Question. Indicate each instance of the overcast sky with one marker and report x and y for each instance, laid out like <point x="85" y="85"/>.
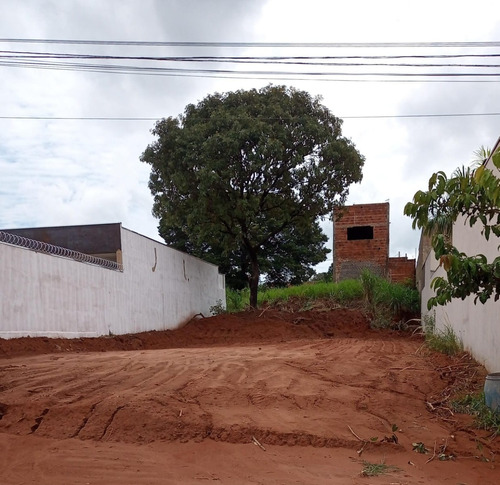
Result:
<point x="64" y="172"/>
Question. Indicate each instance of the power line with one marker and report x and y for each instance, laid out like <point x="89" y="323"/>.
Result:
<point x="253" y="44"/>
<point x="132" y="118"/>
<point x="9" y="54"/>
<point x="436" y="115"/>
<point x="17" y="56"/>
<point x="121" y="69"/>
<point x="243" y="75"/>
<point x="357" y="67"/>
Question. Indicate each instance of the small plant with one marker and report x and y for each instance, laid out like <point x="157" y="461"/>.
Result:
<point x="217" y="309"/>
<point x="375" y="469"/>
<point x="237" y="300"/>
<point x="419" y="447"/>
<point x="386" y="302"/>
<point x="389" y="304"/>
<point x="484" y="417"/>
<point x="308" y="305"/>
<point x="445" y="341"/>
<point x="381" y="318"/>
<point x="344" y="292"/>
<point x="369" y="282"/>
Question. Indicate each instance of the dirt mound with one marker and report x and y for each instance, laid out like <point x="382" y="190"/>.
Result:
<point x="311" y="380"/>
<point x="268" y="325"/>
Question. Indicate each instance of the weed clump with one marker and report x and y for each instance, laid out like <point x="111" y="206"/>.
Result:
<point x="389" y="304"/>
<point x="217" y="309"/>
<point x="444" y="341"/>
<point x="475" y="405"/>
<point x="375" y="469"/>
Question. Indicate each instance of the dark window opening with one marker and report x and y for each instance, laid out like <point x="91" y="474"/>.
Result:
<point x="359" y="232"/>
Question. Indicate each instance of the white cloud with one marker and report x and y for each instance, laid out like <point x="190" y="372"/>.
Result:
<point x="76" y="172"/>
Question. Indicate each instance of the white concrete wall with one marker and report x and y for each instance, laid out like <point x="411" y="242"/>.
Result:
<point x="477" y="325"/>
<point x="160" y="288"/>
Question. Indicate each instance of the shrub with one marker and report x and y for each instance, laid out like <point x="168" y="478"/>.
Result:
<point x="217" y="309"/>
<point x="237" y="300"/>
<point x="484" y="417"/>
<point x="375" y="469"/>
<point x="390" y="304"/>
<point x="444" y="341"/>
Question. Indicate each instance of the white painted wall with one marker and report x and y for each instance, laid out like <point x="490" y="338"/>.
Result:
<point x="160" y="288"/>
<point x="477" y="325"/>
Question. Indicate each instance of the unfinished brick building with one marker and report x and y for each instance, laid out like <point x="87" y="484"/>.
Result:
<point x="361" y="241"/>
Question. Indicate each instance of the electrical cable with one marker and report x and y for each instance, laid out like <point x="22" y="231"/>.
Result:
<point x="254" y="44"/>
<point x="295" y="60"/>
<point x="121" y="69"/>
<point x="132" y="118"/>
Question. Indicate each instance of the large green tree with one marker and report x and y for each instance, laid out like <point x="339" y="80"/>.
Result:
<point x="290" y="255"/>
<point x="244" y="170"/>
<point x="472" y="194"/>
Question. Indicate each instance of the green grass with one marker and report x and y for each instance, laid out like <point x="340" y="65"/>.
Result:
<point x="484" y="417"/>
<point x="237" y="300"/>
<point x="386" y="302"/>
<point x="344" y="292"/>
<point x="444" y="341"/>
<point x="375" y="469"/>
<point x="396" y="297"/>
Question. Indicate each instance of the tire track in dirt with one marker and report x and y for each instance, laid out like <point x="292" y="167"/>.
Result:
<point x="303" y="392"/>
<point x="319" y="382"/>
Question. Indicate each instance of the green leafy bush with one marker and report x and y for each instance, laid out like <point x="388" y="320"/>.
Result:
<point x="388" y="303"/>
<point x="217" y="309"/>
<point x="484" y="417"/>
<point x="444" y="341"/>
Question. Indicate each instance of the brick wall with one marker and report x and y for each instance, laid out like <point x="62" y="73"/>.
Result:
<point x="401" y="270"/>
<point x="351" y="256"/>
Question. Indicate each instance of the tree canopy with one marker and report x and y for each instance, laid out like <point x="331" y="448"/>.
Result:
<point x="245" y="175"/>
<point x="474" y="195"/>
<point x="289" y="261"/>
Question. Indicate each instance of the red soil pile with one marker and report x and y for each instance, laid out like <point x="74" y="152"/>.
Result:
<point x="266" y="396"/>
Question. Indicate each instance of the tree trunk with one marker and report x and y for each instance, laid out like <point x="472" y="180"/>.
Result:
<point x="254" y="280"/>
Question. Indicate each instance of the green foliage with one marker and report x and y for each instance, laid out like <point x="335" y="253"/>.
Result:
<point x="401" y="298"/>
<point x="217" y="309"/>
<point x="375" y="469"/>
<point x="388" y="303"/>
<point x="369" y="282"/>
<point x="326" y="277"/>
<point x="342" y="292"/>
<point x="419" y="447"/>
<point x="444" y="341"/>
<point x="321" y="277"/>
<point x="484" y="417"/>
<point x="392" y="301"/>
<point x="295" y="251"/>
<point x="481" y="155"/>
<point x="473" y="194"/>
<point x="237" y="300"/>
<point x="241" y="175"/>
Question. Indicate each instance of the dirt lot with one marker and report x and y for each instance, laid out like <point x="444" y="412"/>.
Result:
<point x="266" y="397"/>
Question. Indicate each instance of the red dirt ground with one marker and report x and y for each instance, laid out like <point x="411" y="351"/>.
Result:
<point x="265" y="397"/>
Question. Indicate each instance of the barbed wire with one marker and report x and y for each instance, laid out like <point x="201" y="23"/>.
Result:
<point x="43" y="247"/>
